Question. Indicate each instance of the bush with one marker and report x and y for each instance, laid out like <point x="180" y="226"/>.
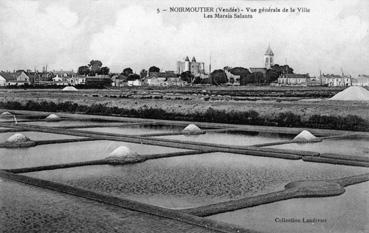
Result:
<point x="288" y="119"/>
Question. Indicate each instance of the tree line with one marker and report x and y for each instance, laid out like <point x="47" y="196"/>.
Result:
<point x="217" y="77"/>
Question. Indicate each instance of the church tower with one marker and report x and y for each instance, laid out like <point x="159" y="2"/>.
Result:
<point x="269" y="58"/>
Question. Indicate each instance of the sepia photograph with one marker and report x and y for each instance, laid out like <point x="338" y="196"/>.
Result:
<point x="171" y="116"/>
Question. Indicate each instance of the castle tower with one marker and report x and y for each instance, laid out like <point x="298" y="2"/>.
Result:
<point x="186" y="64"/>
<point x="269" y="58"/>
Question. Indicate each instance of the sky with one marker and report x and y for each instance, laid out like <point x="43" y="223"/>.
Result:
<point x="66" y="34"/>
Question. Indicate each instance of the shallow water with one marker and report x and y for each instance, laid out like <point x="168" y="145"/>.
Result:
<point x="232" y="138"/>
<point x="26" y="208"/>
<point x="62" y="123"/>
<point x="69" y="152"/>
<point x="134" y="130"/>
<point x="36" y="136"/>
<point x="195" y="180"/>
<point x="358" y="146"/>
<point x="348" y="212"/>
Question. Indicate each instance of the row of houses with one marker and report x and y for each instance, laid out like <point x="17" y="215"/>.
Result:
<point x="24" y="78"/>
<point x="331" y="80"/>
<point x="154" y="81"/>
<point x="167" y="78"/>
<point x="18" y="78"/>
<point x="58" y="78"/>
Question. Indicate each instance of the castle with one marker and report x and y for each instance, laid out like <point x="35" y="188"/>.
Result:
<point x="196" y="68"/>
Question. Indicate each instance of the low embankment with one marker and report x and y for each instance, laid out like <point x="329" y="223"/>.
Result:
<point x="250" y="117"/>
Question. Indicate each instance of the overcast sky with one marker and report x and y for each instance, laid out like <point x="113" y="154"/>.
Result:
<point x="67" y="34"/>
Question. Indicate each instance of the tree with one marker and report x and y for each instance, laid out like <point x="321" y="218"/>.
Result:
<point x="83" y="70"/>
<point x="276" y="70"/>
<point x="154" y="69"/>
<point x="199" y="80"/>
<point x="133" y="77"/>
<point x="218" y="77"/>
<point x="143" y="73"/>
<point x="127" y="71"/>
<point x="187" y="77"/>
<point x="272" y="75"/>
<point x="104" y="70"/>
<point x="256" y="77"/>
<point x="95" y="66"/>
<point x="239" y="71"/>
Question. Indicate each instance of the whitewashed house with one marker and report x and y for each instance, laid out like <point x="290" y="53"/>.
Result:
<point x="134" y="83"/>
<point x="154" y="81"/>
<point x="77" y="80"/>
<point x="334" y="80"/>
<point x="361" y="80"/>
<point x="2" y="81"/>
<point x="19" y="78"/>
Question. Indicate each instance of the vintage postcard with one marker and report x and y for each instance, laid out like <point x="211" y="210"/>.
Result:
<point x="184" y="116"/>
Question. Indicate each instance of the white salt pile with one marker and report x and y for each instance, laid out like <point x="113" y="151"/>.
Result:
<point x="69" y="88"/>
<point x="6" y="115"/>
<point x="352" y="93"/>
<point x="53" y="117"/>
<point x="305" y="136"/>
<point x="192" y="128"/>
<point x="18" y="138"/>
<point x="122" y="151"/>
<point x="123" y="154"/>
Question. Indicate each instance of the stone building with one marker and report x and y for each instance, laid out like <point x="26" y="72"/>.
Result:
<point x="196" y="68"/>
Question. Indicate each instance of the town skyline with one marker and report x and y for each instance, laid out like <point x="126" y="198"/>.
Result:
<point x="65" y="35"/>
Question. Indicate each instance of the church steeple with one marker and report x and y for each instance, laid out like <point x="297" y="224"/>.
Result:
<point x="269" y="51"/>
<point x="269" y="58"/>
